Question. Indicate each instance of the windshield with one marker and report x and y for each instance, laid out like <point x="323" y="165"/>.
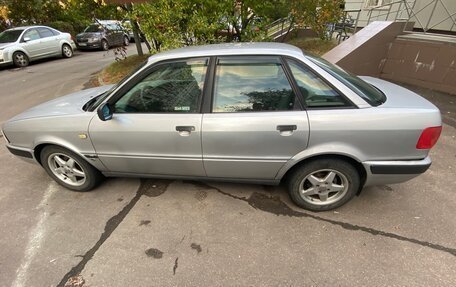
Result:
<point x="10" y="36"/>
<point x="94" y="28"/>
<point x="365" y="90"/>
<point x="95" y="102"/>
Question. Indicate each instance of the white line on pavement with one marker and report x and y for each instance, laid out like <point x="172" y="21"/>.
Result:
<point x="35" y="239"/>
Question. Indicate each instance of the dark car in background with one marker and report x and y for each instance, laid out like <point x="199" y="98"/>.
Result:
<point x="102" y="35"/>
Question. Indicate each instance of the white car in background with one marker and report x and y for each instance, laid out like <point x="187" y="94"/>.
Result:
<point x="21" y="45"/>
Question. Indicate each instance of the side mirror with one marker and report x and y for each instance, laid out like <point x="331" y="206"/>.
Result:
<point x="26" y="39"/>
<point x="104" y="112"/>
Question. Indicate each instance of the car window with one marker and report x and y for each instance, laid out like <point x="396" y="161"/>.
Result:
<point x="247" y="84"/>
<point x="175" y="87"/>
<point x="10" y="36"/>
<point x="44" y="32"/>
<point x="32" y="34"/>
<point x="316" y="92"/>
<point x="365" y="90"/>
<point x="55" y="32"/>
<point x="94" y="28"/>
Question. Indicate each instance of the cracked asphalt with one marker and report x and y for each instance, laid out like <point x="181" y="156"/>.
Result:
<point x="132" y="232"/>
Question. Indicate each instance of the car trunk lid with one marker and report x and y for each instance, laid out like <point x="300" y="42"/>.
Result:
<point x="397" y="96"/>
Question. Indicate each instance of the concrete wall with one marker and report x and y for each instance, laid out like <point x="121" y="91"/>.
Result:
<point x="424" y="61"/>
<point x="365" y="52"/>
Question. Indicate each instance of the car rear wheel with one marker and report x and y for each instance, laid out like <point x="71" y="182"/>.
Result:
<point x="69" y="170"/>
<point x="323" y="184"/>
<point x="20" y="59"/>
<point x="126" y="41"/>
<point x="104" y="45"/>
<point x="67" y="52"/>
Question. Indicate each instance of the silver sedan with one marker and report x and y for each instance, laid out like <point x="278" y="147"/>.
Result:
<point x="21" y="45"/>
<point x="258" y="112"/>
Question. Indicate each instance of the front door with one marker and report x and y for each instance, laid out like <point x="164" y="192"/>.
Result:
<point x="256" y="124"/>
<point x="32" y="43"/>
<point x="156" y="125"/>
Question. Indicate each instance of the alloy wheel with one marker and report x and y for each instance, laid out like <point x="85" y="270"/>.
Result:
<point x="21" y="59"/>
<point x="67" y="169"/>
<point x="67" y="51"/>
<point x="323" y="187"/>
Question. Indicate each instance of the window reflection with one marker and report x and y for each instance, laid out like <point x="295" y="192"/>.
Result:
<point x="171" y="88"/>
<point x="251" y="86"/>
<point x="315" y="91"/>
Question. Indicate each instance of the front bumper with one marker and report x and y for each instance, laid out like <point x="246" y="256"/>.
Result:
<point x="87" y="45"/>
<point x="388" y="172"/>
<point x="23" y="153"/>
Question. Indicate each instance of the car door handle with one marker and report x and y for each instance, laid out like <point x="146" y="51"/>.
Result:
<point x="286" y="128"/>
<point x="188" y="129"/>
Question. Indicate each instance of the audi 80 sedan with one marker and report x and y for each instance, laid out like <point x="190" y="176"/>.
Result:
<point x="255" y="112"/>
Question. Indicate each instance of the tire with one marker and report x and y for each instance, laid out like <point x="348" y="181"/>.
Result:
<point x="20" y="59"/>
<point x="69" y="169"/>
<point x="104" y="45"/>
<point x="329" y="183"/>
<point x="67" y="51"/>
<point x="126" y="41"/>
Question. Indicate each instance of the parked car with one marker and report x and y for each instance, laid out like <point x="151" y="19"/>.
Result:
<point x="21" y="45"/>
<point x="252" y="112"/>
<point x="102" y="35"/>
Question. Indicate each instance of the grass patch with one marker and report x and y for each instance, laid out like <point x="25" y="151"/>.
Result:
<point x="118" y="70"/>
<point x="315" y="46"/>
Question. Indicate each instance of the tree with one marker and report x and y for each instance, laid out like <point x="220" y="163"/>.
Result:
<point x="76" y="13"/>
<point x="170" y="24"/>
<point x="316" y="14"/>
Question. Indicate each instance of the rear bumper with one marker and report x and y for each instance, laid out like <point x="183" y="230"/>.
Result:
<point x="387" y="172"/>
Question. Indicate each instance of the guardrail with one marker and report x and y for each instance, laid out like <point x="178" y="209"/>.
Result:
<point x="404" y="10"/>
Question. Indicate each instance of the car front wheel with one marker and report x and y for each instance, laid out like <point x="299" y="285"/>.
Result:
<point x="20" y="59"/>
<point x="323" y="184"/>
<point x="69" y="170"/>
<point x="104" y="45"/>
<point x="126" y="41"/>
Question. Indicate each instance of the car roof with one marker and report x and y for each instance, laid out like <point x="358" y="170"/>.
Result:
<point x="27" y="27"/>
<point x="259" y="48"/>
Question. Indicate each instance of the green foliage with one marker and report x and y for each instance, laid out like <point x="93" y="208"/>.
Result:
<point x="316" y="14"/>
<point x="169" y="24"/>
<point x="63" y="27"/>
<point x="69" y="15"/>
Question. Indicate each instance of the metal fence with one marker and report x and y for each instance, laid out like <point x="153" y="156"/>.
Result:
<point x="433" y="15"/>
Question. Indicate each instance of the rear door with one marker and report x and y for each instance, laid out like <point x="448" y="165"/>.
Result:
<point x="49" y="41"/>
<point x="257" y="123"/>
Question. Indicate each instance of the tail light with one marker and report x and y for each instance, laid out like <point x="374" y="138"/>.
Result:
<point x="429" y="137"/>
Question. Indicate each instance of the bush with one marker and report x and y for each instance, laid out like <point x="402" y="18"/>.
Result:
<point x="64" y="27"/>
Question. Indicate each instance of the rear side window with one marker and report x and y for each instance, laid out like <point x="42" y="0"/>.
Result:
<point x="365" y="90"/>
<point x="44" y="32"/>
<point x="248" y="84"/>
<point x="315" y="92"/>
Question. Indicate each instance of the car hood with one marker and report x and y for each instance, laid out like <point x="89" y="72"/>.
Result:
<point x="397" y="96"/>
<point x="67" y="105"/>
<point x="88" y="35"/>
<point x="6" y="45"/>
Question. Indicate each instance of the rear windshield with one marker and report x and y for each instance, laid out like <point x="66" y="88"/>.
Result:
<point x="94" y="28"/>
<point x="365" y="90"/>
<point x="10" y="36"/>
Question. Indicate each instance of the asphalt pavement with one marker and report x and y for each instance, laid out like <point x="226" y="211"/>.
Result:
<point x="133" y="232"/>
